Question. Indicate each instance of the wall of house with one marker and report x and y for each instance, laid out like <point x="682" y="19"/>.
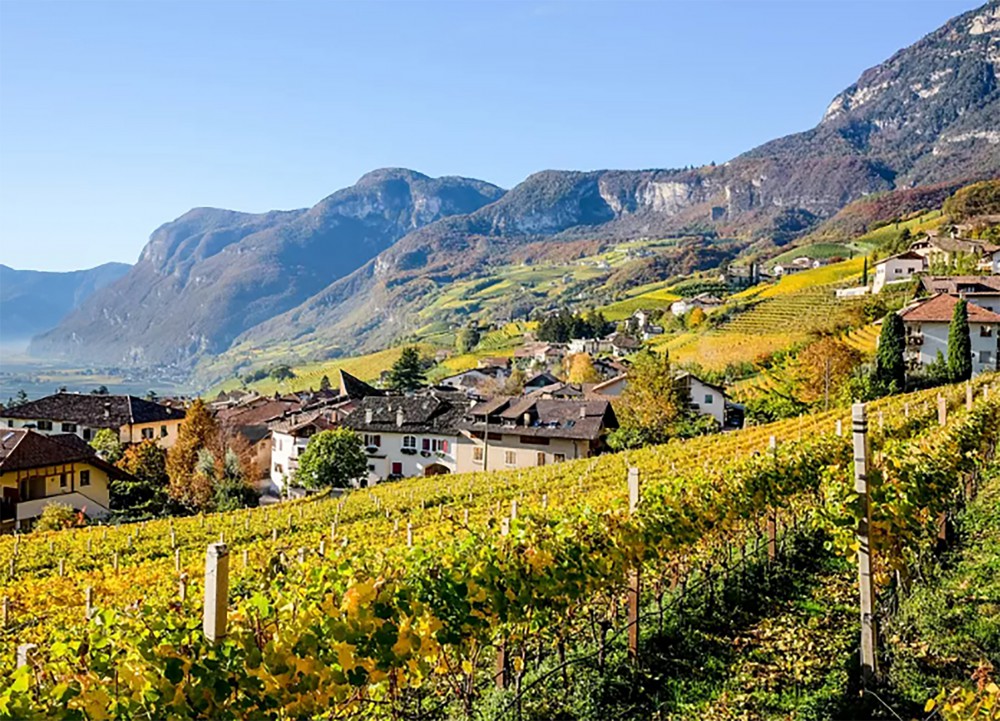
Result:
<point x="709" y="400"/>
<point x="524" y="455"/>
<point x="285" y="452"/>
<point x="892" y="271"/>
<point x="163" y="432"/>
<point x="390" y="458"/>
<point x="935" y="338"/>
<point x="62" y="485"/>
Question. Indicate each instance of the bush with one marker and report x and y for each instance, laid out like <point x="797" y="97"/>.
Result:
<point x="57" y="516"/>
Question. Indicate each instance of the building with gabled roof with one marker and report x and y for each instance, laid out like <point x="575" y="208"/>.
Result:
<point x="38" y="469"/>
<point x="927" y="322"/>
<point x="527" y="431"/>
<point x="134" y="419"/>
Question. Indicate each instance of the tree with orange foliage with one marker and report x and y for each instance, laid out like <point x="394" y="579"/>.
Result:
<point x="824" y="367"/>
<point x="188" y="485"/>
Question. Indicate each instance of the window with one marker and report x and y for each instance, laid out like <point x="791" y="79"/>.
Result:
<point x="277" y="444"/>
<point x="147" y="434"/>
<point x="68" y="427"/>
<point x="84" y="478"/>
<point x="985" y="356"/>
<point x="709" y="399"/>
<point x="62" y="480"/>
<point x="534" y="441"/>
<point x="541" y="459"/>
<point x="440" y="445"/>
<point x="371" y="467"/>
<point x="373" y="440"/>
<point x="163" y="431"/>
<point x="44" y="425"/>
<point x="425" y="444"/>
<point x="558" y="457"/>
<point x="397" y="468"/>
<point x="477" y="454"/>
<point x="410" y="442"/>
<point x="87" y="434"/>
<point x="985" y="331"/>
<point x="510" y="458"/>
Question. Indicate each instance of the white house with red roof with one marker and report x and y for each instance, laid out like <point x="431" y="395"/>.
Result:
<point x="927" y="323"/>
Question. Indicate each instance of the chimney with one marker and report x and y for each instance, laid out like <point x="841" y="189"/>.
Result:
<point x="368" y="415"/>
<point x="107" y="409"/>
<point x="399" y="416"/>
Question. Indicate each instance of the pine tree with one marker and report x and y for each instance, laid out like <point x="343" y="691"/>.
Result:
<point x="890" y="366"/>
<point x="407" y="372"/>
<point x="324" y="383"/>
<point x="959" y="344"/>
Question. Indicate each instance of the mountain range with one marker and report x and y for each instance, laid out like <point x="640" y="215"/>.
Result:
<point x="350" y="273"/>
<point x="33" y="301"/>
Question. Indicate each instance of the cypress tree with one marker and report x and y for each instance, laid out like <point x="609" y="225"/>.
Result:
<point x="959" y="344"/>
<point x="864" y="272"/>
<point x="890" y="367"/>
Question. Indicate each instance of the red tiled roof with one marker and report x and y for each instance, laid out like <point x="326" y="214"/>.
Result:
<point x="940" y="308"/>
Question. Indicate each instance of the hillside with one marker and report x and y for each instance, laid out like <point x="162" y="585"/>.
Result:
<point x="33" y="301"/>
<point x="353" y="273"/>
<point x="531" y="566"/>
<point x="211" y="274"/>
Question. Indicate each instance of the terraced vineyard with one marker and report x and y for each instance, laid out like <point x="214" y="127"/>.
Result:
<point x="397" y="601"/>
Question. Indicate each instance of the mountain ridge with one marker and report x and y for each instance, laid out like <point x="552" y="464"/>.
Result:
<point x="926" y="114"/>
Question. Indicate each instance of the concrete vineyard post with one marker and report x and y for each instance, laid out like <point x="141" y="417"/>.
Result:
<point x="216" y="591"/>
<point x="942" y="411"/>
<point x="968" y="396"/>
<point x="246" y="557"/>
<point x="409" y="535"/>
<point x="24" y="653"/>
<point x="177" y="560"/>
<point x="865" y="582"/>
<point x="839" y="428"/>
<point x="513" y="510"/>
<point x="182" y="587"/>
<point x="634" y="579"/>
<point x="88" y="599"/>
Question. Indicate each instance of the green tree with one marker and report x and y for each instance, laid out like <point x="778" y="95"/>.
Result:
<point x="890" y="366"/>
<point x="332" y="459"/>
<point x="144" y="495"/>
<point x="407" y="372"/>
<point x="57" y="516"/>
<point x="959" y="344"/>
<point x="652" y="404"/>
<point x="107" y="445"/>
<point x="100" y="391"/>
<point x="324" y="383"/>
<point x="231" y="488"/>
<point x="864" y="272"/>
<point x="468" y="338"/>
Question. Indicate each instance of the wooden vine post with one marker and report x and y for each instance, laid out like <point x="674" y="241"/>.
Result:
<point x="772" y="515"/>
<point x="865" y="582"/>
<point x="501" y="667"/>
<point x="216" y="591"/>
<point x="942" y="521"/>
<point x="634" y="574"/>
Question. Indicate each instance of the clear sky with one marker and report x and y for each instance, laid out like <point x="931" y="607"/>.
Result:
<point x="118" y="116"/>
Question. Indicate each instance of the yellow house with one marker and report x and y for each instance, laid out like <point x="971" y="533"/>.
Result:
<point x="83" y="414"/>
<point x="36" y="470"/>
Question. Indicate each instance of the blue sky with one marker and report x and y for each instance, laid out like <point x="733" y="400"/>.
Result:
<point x="118" y="116"/>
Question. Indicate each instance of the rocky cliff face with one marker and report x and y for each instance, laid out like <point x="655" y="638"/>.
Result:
<point x="212" y="274"/>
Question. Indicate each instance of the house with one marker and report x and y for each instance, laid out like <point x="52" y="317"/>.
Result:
<point x="543" y="354"/>
<point x="526" y="431"/>
<point x="622" y="344"/>
<point x="410" y="435"/>
<point x="783" y="269"/>
<point x="898" y="268"/>
<point x="289" y="437"/>
<point x="926" y="323"/>
<point x="289" y="434"/>
<point x="706" y="301"/>
<point x="983" y="290"/>
<point x="942" y="249"/>
<point x="611" y="387"/>
<point x="251" y="420"/>
<point x="641" y="324"/>
<point x="610" y="368"/>
<point x="707" y="398"/>
<point x="502" y="362"/>
<point x="989" y="262"/>
<point x="38" y="469"/>
<point x="83" y="414"/>
<point x="485" y="380"/>
<point x="540" y="380"/>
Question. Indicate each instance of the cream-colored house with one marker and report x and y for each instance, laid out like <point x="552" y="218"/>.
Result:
<point x="83" y="414"/>
<point x="36" y="470"/>
<point x="526" y="431"/>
